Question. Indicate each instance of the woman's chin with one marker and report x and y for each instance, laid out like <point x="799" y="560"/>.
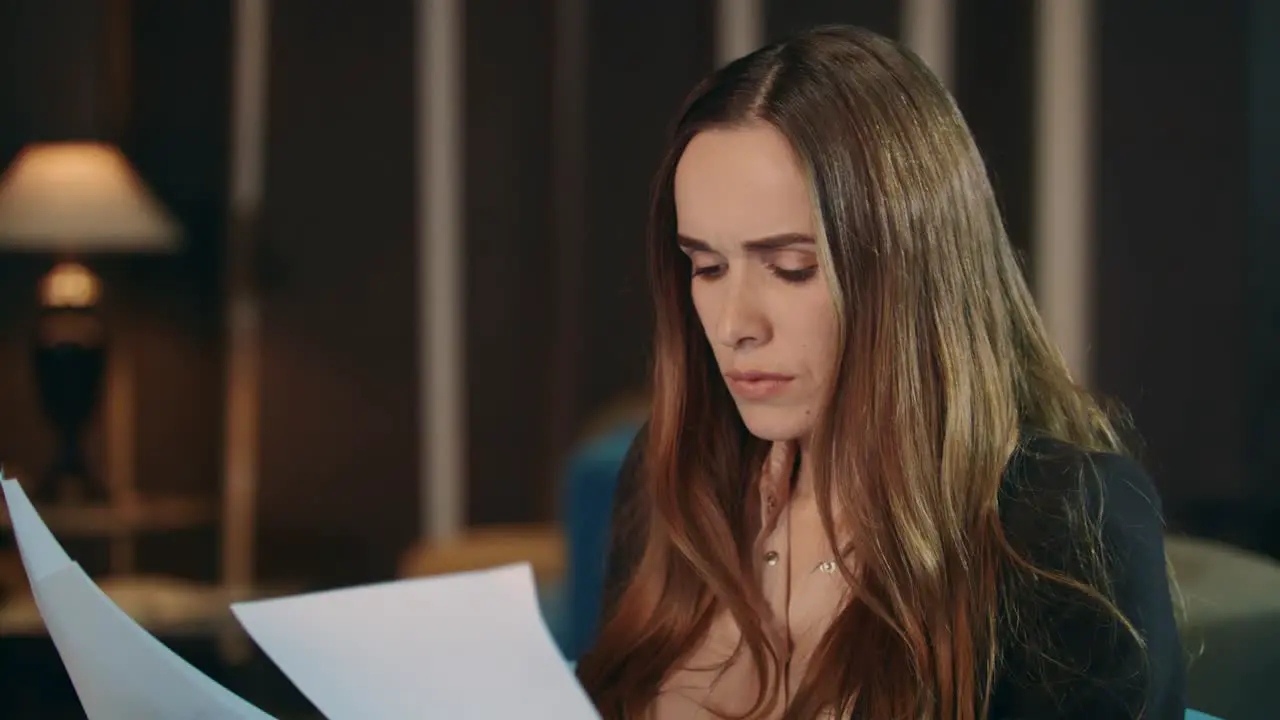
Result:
<point x="777" y="424"/>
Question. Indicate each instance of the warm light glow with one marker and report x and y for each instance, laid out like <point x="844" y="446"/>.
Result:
<point x="69" y="285"/>
<point x="80" y="197"/>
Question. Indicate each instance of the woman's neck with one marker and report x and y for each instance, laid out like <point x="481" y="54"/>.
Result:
<point x="802" y="482"/>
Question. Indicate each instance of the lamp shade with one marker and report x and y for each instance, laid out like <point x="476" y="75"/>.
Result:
<point x="81" y="197"/>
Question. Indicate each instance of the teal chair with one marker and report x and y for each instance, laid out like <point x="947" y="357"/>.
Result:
<point x="587" y="507"/>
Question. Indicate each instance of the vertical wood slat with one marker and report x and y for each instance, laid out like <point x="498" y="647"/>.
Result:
<point x="928" y="29"/>
<point x="1063" y="212"/>
<point x="739" y="28"/>
<point x="442" y="310"/>
<point x="243" y="347"/>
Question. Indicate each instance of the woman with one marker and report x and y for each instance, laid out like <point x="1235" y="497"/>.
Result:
<point x="867" y="486"/>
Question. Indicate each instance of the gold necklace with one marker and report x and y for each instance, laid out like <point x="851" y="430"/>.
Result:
<point x="827" y="567"/>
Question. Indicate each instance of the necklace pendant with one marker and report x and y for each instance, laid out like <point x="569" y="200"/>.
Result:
<point x="827" y="566"/>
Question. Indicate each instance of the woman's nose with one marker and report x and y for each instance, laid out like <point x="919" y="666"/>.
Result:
<point x="742" y="321"/>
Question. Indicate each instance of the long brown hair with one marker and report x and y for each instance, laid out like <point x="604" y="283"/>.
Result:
<point x="943" y="363"/>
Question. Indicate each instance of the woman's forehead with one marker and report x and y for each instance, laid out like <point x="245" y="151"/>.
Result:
<point x="741" y="183"/>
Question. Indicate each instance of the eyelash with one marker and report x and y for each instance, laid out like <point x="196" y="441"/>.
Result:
<point x="795" y="277"/>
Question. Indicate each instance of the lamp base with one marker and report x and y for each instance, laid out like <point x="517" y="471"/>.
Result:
<point x="67" y="487"/>
<point x="70" y="358"/>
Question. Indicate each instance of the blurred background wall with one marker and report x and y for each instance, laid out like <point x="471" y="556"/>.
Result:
<point x="566" y="104"/>
<point x="280" y="399"/>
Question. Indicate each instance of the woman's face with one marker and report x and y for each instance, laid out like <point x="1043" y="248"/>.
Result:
<point x="745" y="219"/>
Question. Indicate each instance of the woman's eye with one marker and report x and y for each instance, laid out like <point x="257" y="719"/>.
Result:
<point x="795" y="275"/>
<point x="708" y="271"/>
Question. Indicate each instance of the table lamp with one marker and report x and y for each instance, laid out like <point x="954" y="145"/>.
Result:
<point x="72" y="200"/>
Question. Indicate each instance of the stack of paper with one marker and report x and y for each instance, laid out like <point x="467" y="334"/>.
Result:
<point x="119" y="670"/>
<point x="471" y="645"/>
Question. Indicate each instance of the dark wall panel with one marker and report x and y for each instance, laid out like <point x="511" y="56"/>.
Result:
<point x="993" y="81"/>
<point x="644" y="58"/>
<point x="338" y="490"/>
<point x="177" y="132"/>
<point x="784" y="17"/>
<point x="1172" y="209"/>
<point x="509" y="259"/>
<point x="1263" y="255"/>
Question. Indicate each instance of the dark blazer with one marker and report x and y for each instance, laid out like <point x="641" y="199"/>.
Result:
<point x="1101" y="673"/>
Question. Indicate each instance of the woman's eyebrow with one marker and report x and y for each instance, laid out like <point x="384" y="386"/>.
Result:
<point x="768" y="243"/>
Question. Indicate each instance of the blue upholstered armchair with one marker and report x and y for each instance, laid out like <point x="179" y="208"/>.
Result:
<point x="588" y="502"/>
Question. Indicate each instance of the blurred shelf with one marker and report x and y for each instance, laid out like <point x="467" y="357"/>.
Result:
<point x="149" y="514"/>
<point x="164" y="606"/>
<point x="540" y="545"/>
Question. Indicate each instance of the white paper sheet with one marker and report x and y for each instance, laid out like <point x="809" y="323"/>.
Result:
<point x="470" y="645"/>
<point x="120" y="671"/>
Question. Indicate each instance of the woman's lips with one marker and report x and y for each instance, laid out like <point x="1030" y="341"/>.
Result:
<point x="751" y="385"/>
